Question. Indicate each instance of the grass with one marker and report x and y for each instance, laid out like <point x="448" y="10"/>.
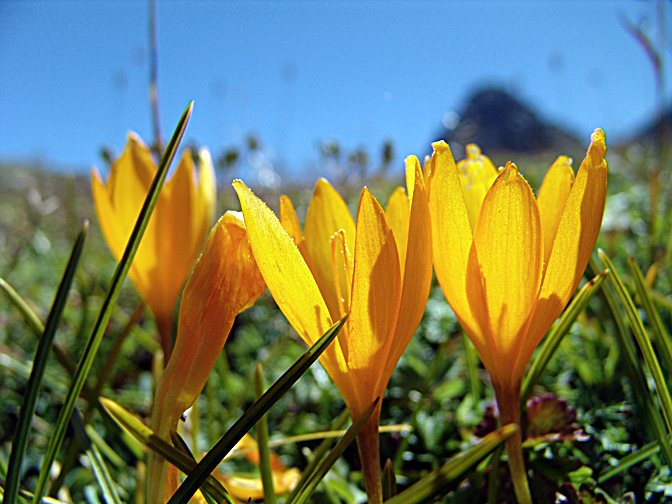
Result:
<point x="597" y="415"/>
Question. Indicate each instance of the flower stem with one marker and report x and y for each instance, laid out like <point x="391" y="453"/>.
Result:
<point x="165" y="327"/>
<point x="368" y="446"/>
<point x="508" y="400"/>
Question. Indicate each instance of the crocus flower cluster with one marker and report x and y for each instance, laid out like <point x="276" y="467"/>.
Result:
<point x="508" y="263"/>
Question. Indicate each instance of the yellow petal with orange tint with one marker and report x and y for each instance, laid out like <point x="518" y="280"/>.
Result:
<point x="113" y="230"/>
<point x="574" y="242"/>
<point x="398" y="213"/>
<point x="133" y="172"/>
<point x="477" y="174"/>
<point x="509" y="241"/>
<point x="290" y="222"/>
<point x="207" y="189"/>
<point x="417" y="274"/>
<point x="376" y="290"/>
<point x="286" y="274"/>
<point x="552" y="198"/>
<point x="225" y="281"/>
<point x="455" y="258"/>
<point x="326" y="215"/>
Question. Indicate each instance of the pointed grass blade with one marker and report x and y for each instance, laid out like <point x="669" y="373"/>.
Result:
<point x="437" y="482"/>
<point x="262" y="442"/>
<point x="642" y="395"/>
<point x="20" y="304"/>
<point x="91" y="348"/>
<point x="318" y="475"/>
<point x="319" y="454"/>
<point x="389" y="481"/>
<point x="642" y="338"/>
<point x="245" y="423"/>
<point x="37" y="373"/>
<point x="103" y="478"/>
<point x="556" y="334"/>
<point x="175" y="456"/>
<point x="630" y="460"/>
<point x="662" y="340"/>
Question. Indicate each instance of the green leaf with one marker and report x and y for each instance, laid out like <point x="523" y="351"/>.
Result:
<point x="389" y="481"/>
<point x="662" y="337"/>
<point x="318" y="475"/>
<point x="642" y="338"/>
<point x="318" y="455"/>
<point x="31" y="317"/>
<point x="437" y="482"/>
<point x="641" y="392"/>
<point x="262" y="441"/>
<point x="631" y="459"/>
<point x="145" y="435"/>
<point x="39" y="365"/>
<point x="93" y="343"/>
<point x="251" y="416"/>
<point x="100" y="471"/>
<point x="556" y="334"/>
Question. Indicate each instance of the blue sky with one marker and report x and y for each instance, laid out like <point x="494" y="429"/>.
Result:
<point x="73" y="74"/>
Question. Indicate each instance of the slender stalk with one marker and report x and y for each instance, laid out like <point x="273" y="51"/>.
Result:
<point x="153" y="80"/>
<point x="368" y="446"/>
<point x="165" y="328"/>
<point x="508" y="400"/>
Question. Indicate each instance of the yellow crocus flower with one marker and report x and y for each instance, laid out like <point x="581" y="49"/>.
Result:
<point x="378" y="271"/>
<point x="175" y="233"/>
<point x="509" y="263"/>
<point x="225" y="281"/>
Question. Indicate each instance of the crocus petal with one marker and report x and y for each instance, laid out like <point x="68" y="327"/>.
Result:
<point x="509" y="243"/>
<point x="286" y="274"/>
<point x="326" y="215"/>
<point x="291" y="224"/>
<point x="376" y="289"/>
<point x="114" y="230"/>
<point x="130" y="178"/>
<point x="455" y="258"/>
<point x="398" y="212"/>
<point x="207" y="193"/>
<point x="477" y="174"/>
<point x="225" y="281"/>
<point x="417" y="274"/>
<point x="175" y="230"/>
<point x="551" y="200"/>
<point x="573" y="244"/>
<point x="291" y="282"/>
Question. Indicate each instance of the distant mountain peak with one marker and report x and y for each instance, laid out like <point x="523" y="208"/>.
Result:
<point x="498" y="122"/>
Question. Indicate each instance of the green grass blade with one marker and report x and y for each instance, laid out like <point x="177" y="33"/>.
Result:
<point x="389" y="481"/>
<point x="145" y="435"/>
<point x="91" y="348"/>
<point x="31" y="317"/>
<point x="319" y="454"/>
<point x="630" y="460"/>
<point x="105" y="482"/>
<point x="437" y="481"/>
<point x="251" y="416"/>
<point x="662" y="337"/>
<point x="38" y="328"/>
<point x="556" y="334"/>
<point x="39" y="365"/>
<point x="318" y="475"/>
<point x="641" y="391"/>
<point x="643" y="340"/>
<point x="262" y="442"/>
